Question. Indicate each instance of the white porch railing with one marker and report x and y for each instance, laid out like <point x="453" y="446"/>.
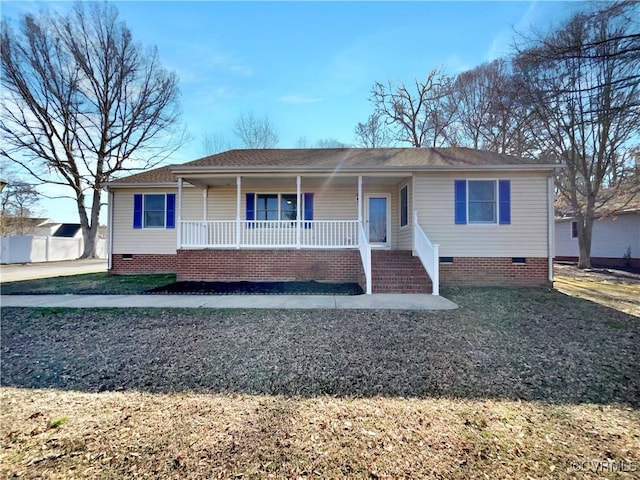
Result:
<point x="269" y="234"/>
<point x="428" y="253"/>
<point x="365" y="254"/>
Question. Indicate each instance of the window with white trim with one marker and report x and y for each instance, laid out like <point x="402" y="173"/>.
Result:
<point x="482" y="201"/>
<point x="404" y="206"/>
<point x="276" y="206"/>
<point x="154" y="211"/>
<point x="574" y="229"/>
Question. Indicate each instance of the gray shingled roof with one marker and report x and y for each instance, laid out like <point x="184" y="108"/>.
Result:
<point x="338" y="158"/>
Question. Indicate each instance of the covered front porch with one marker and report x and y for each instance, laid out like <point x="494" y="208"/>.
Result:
<point x="295" y="212"/>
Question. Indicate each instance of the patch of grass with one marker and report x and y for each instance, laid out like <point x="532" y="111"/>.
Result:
<point x="619" y="295"/>
<point x="89" y="283"/>
<point x="58" y="421"/>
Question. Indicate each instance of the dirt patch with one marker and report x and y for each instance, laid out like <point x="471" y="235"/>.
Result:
<point x="597" y="274"/>
<point x="259" y="288"/>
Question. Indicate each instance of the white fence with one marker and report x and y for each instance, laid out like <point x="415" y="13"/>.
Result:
<point x="33" y="249"/>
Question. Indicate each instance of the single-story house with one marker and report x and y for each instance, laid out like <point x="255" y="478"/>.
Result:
<point x="615" y="239"/>
<point x="392" y="219"/>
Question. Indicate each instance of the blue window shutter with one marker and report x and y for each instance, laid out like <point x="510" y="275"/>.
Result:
<point x="308" y="208"/>
<point x="137" y="210"/>
<point x="504" y="193"/>
<point x="461" y="201"/>
<point x="171" y="210"/>
<point x="251" y="206"/>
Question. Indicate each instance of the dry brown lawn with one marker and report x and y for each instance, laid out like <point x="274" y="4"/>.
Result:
<point x="516" y="383"/>
<point x="143" y="435"/>
<point x="613" y="288"/>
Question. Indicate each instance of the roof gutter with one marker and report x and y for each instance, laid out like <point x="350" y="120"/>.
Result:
<point x="182" y="170"/>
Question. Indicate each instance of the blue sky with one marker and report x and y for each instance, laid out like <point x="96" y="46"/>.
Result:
<point x="309" y="66"/>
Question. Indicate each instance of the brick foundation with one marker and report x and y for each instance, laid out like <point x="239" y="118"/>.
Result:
<point x="494" y="271"/>
<point x="143" y="263"/>
<point x="270" y="265"/>
<point x="322" y="265"/>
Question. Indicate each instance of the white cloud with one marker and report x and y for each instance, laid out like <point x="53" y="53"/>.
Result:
<point x="502" y="43"/>
<point x="297" y="99"/>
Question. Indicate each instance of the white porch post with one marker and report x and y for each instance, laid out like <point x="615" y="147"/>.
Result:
<point x="360" y="198"/>
<point x="179" y="216"/>
<point x="298" y="206"/>
<point x="205" y="199"/>
<point x="238" y="196"/>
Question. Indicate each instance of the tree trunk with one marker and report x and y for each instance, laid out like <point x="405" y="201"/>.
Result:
<point x="90" y="226"/>
<point x="585" y="229"/>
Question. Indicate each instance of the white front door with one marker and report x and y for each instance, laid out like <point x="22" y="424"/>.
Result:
<point x="377" y="218"/>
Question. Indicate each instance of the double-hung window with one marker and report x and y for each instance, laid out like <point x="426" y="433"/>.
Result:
<point x="154" y="210"/>
<point x="482" y="202"/>
<point x="276" y="206"/>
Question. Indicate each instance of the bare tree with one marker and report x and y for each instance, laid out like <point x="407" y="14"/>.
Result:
<point x="213" y="143"/>
<point x="491" y="115"/>
<point x="419" y="116"/>
<point x="255" y="132"/>
<point x="83" y="103"/>
<point x="583" y="85"/>
<point x="372" y="133"/>
<point x="302" y="142"/>
<point x="18" y="202"/>
<point x="331" y="143"/>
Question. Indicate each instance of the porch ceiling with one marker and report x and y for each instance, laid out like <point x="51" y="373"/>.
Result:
<point x="290" y="181"/>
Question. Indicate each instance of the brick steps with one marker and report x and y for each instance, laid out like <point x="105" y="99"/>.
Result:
<point x="396" y="271"/>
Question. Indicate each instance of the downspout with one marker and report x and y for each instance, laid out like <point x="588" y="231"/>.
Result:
<point x="550" y="227"/>
<point x="179" y="222"/>
<point x="109" y="228"/>
<point x="298" y="207"/>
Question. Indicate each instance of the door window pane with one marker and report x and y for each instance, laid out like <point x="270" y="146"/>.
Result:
<point x="378" y="220"/>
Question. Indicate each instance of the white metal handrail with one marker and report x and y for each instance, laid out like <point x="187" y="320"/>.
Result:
<point x="365" y="255"/>
<point x="428" y="253"/>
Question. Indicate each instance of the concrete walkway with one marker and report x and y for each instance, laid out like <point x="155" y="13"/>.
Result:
<point x="374" y="302"/>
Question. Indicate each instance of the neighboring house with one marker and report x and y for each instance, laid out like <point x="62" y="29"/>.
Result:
<point x="68" y="230"/>
<point x="373" y="216"/>
<point x="615" y="240"/>
<point x="28" y="226"/>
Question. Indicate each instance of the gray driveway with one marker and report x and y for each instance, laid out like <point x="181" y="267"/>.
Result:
<point x="28" y="271"/>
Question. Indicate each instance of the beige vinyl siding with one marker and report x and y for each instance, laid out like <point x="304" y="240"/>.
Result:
<point x="221" y="203"/>
<point x="526" y="236"/>
<point x="127" y="239"/>
<point x="192" y="204"/>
